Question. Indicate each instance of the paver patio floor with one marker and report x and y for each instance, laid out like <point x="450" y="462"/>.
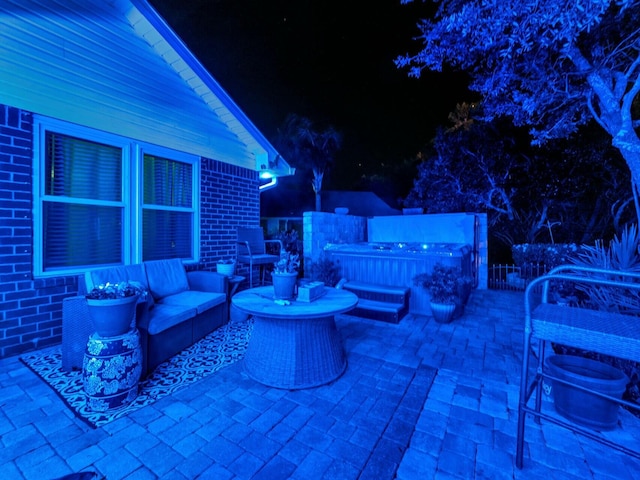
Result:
<point x="373" y="423"/>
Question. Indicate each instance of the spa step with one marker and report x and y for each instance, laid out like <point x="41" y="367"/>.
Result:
<point x="382" y="293"/>
<point x="379" y="302"/>
<point x="383" y="311"/>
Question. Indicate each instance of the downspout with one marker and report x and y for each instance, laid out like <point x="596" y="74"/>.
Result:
<point x="267" y="186"/>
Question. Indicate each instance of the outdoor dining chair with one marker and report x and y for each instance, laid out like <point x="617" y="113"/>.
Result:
<point x="252" y="250"/>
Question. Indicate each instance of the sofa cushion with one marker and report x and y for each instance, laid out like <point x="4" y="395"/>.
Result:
<point x="166" y="277"/>
<point x="163" y="317"/>
<point x="203" y="301"/>
<point x="120" y="273"/>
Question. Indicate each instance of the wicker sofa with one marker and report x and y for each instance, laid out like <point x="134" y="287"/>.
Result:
<point x="183" y="308"/>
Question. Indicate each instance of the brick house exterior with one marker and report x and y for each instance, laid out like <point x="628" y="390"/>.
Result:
<point x="230" y="151"/>
<point x="31" y="308"/>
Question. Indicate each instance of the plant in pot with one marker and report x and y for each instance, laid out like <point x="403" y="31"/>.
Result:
<point x="284" y="276"/>
<point x="112" y="307"/>
<point x="226" y="267"/>
<point x="448" y="291"/>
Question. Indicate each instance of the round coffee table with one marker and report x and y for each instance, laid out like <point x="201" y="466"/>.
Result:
<point x="296" y="345"/>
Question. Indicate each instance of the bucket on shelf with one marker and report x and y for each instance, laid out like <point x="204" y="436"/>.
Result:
<point x="585" y="408"/>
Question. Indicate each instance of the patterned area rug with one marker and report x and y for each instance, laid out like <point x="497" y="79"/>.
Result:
<point x="223" y="347"/>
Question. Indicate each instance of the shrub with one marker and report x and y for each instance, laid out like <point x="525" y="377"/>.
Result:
<point x="536" y="258"/>
<point x="324" y="270"/>
<point x="446" y="284"/>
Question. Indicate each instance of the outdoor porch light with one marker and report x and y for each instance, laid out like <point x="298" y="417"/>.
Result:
<point x="272" y="171"/>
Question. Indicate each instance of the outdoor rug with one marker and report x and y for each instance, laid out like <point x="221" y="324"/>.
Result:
<point x="219" y="349"/>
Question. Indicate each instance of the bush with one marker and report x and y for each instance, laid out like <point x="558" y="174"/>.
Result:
<point x="536" y="258"/>
<point x="446" y="284"/>
<point x="324" y="270"/>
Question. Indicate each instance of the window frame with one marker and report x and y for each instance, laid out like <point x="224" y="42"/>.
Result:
<point x="133" y="152"/>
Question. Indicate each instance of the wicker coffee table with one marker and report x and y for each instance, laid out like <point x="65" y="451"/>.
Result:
<point x="296" y="345"/>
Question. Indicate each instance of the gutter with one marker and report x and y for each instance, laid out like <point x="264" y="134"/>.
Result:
<point x="267" y="186"/>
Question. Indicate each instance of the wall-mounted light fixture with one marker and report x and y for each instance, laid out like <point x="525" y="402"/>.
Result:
<point x="272" y="171"/>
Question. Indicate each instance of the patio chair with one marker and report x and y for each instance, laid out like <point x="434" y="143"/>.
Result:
<point x="252" y="250"/>
<point x="607" y="333"/>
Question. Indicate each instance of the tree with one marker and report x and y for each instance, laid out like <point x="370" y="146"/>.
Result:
<point x="469" y="169"/>
<point x="566" y="191"/>
<point x="550" y="64"/>
<point x="309" y="148"/>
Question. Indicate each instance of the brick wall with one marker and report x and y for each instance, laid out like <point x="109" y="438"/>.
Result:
<point x="229" y="198"/>
<point x="31" y="309"/>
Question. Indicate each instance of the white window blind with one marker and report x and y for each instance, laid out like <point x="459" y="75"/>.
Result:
<point x="82" y="210"/>
<point x="167" y="214"/>
<point x="102" y="199"/>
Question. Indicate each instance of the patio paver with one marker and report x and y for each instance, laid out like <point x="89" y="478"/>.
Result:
<point x="373" y="423"/>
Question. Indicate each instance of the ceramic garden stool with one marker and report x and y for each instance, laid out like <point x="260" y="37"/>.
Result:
<point x="111" y="370"/>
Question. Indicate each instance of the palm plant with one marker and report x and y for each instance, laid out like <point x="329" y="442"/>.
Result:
<point x="311" y="148"/>
<point x="623" y="254"/>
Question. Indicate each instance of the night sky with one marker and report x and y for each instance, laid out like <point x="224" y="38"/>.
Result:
<point x="328" y="60"/>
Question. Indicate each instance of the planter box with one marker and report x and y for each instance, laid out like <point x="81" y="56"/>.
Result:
<point x="310" y="291"/>
<point x="514" y="280"/>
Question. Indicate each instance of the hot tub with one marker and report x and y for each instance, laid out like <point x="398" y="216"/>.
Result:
<point x="396" y="264"/>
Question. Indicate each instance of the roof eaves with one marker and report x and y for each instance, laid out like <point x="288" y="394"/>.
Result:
<point x="237" y="121"/>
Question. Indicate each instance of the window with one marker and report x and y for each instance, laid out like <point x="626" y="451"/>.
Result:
<point x="106" y="200"/>
<point x="167" y="210"/>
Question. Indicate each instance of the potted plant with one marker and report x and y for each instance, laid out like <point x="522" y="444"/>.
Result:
<point x="112" y="307"/>
<point x="226" y="267"/>
<point x="448" y="291"/>
<point x="284" y="276"/>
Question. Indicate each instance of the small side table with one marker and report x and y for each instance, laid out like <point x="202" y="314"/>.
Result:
<point x="234" y="282"/>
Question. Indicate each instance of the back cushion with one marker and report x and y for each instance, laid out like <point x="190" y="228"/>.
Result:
<point x="122" y="273"/>
<point x="166" y="277"/>
<point x="131" y="273"/>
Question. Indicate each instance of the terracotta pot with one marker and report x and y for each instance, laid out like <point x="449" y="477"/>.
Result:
<point x="284" y="285"/>
<point x="112" y="317"/>
<point x="442" y="312"/>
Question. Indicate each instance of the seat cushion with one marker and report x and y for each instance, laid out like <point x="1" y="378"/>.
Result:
<point x="163" y="317"/>
<point x="202" y="301"/>
<point x="166" y="277"/>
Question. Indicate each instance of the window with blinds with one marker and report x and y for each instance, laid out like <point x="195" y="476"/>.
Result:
<point x="106" y="200"/>
<point x="83" y="205"/>
<point x="167" y="210"/>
